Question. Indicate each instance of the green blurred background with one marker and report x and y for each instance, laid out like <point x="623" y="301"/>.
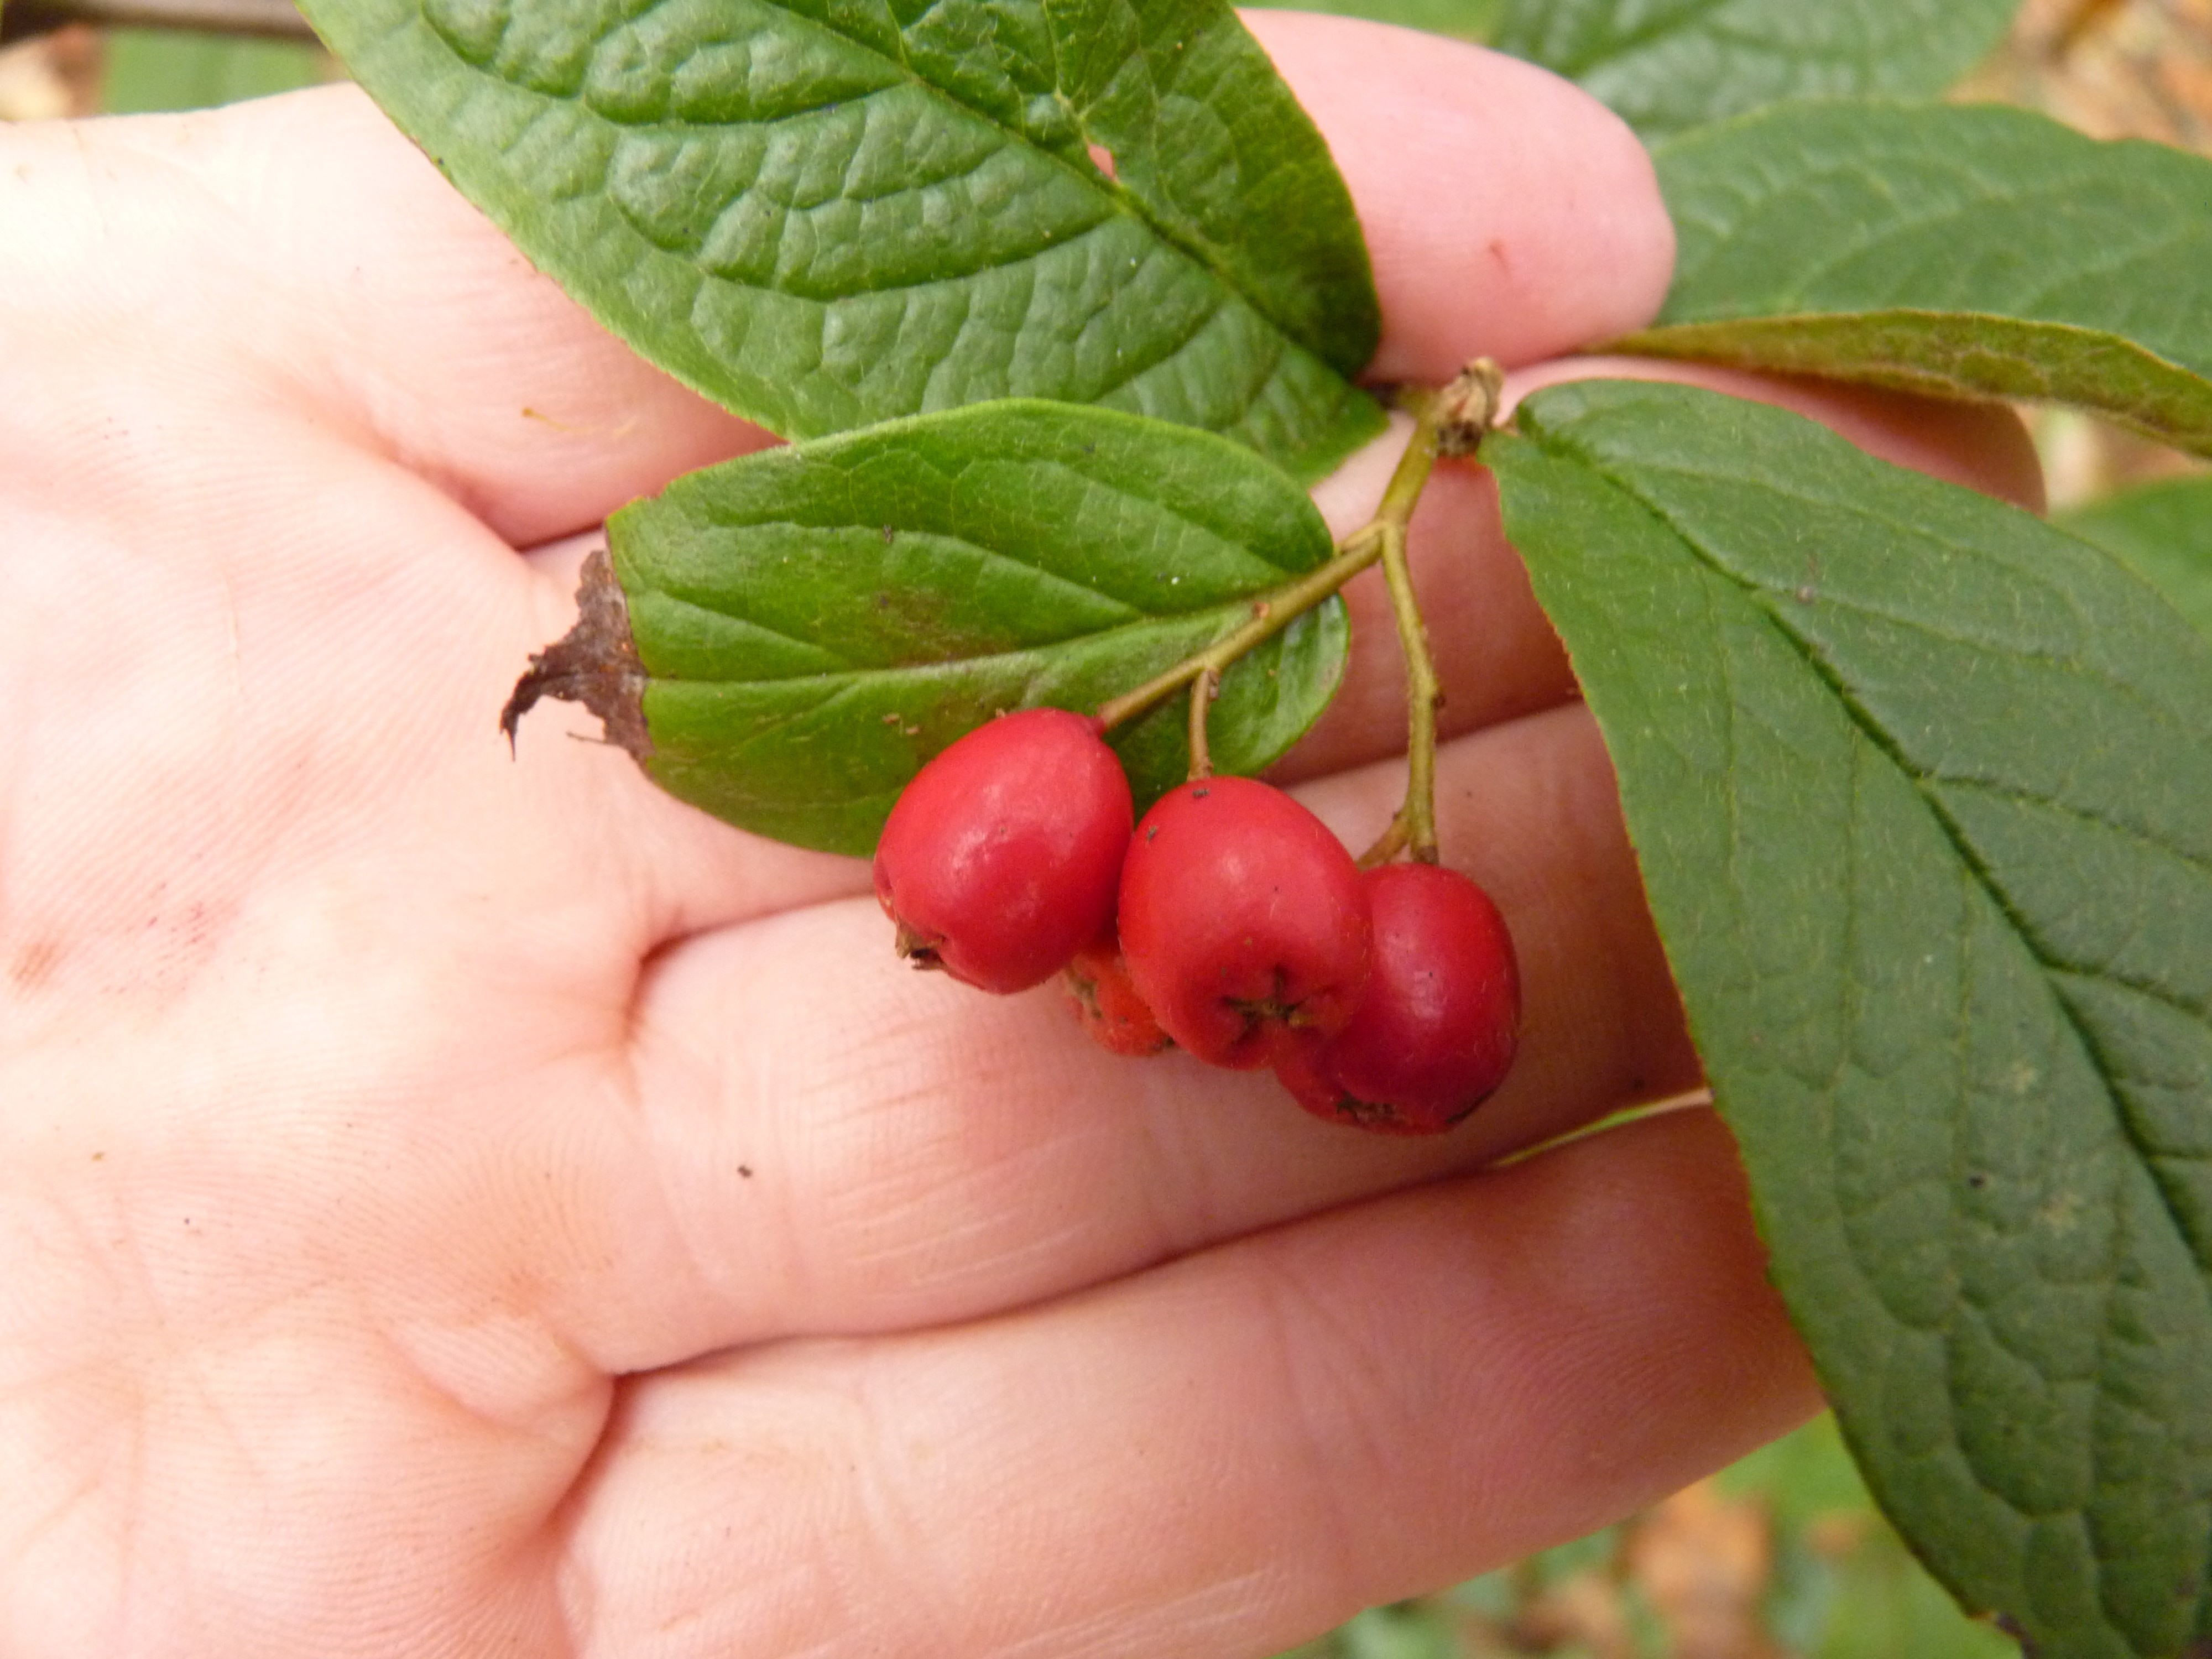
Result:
<point x="1783" y="1556"/>
<point x="149" y="69"/>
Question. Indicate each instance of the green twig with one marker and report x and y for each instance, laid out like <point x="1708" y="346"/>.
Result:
<point x="1446" y="422"/>
<point x="1203" y="690"/>
<point x="1451" y="421"/>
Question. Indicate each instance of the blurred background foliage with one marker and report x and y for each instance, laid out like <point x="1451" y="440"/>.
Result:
<point x="149" y="69"/>
<point x="1783" y="1556"/>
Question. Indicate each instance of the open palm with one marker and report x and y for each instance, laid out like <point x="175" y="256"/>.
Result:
<point x="458" y="1203"/>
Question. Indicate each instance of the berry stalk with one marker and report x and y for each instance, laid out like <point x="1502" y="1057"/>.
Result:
<point x="1203" y="690"/>
<point x="1449" y="422"/>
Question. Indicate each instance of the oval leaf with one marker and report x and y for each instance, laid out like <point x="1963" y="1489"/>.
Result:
<point x="1922" y="790"/>
<point x="810" y="624"/>
<point x="1974" y="252"/>
<point x="824" y="219"/>
<point x="2163" y="533"/>
<point x="1676" y="64"/>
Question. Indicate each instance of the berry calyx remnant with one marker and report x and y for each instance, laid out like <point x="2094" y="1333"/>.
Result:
<point x="1105" y="1000"/>
<point x="1242" y="921"/>
<point x="1002" y="858"/>
<point x="1435" y="1032"/>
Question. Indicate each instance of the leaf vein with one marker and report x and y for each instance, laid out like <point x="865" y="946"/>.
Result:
<point x="1875" y="734"/>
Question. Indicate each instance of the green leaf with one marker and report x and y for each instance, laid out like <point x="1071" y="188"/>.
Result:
<point x="1922" y="791"/>
<point x="1468" y="19"/>
<point x="2163" y="533"/>
<point x="1668" y="64"/>
<point x="825" y="217"/>
<point x="817" y="621"/>
<point x="1967" y="253"/>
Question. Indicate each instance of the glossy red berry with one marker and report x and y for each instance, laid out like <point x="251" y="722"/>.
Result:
<point x="1242" y="921"/>
<point x="1003" y="857"/>
<point x="1099" y="989"/>
<point x="1434" y="1033"/>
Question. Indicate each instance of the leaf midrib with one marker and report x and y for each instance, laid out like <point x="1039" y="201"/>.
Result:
<point x="1220" y="614"/>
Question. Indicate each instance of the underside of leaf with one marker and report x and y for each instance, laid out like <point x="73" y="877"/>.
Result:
<point x="1961" y="355"/>
<point x="1678" y="63"/>
<point x="1968" y="251"/>
<point x="1922" y="790"/>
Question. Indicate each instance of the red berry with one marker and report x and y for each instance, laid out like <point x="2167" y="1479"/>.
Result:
<point x="1242" y="921"/>
<point x="1002" y="858"/>
<point x="1098" y="987"/>
<point x="1434" y="1033"/>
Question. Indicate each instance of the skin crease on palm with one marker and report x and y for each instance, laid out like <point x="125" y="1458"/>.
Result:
<point x="458" y="1205"/>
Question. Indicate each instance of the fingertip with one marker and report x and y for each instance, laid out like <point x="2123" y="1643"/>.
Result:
<point x="1524" y="223"/>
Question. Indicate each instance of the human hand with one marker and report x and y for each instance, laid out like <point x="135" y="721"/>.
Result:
<point x="459" y="1205"/>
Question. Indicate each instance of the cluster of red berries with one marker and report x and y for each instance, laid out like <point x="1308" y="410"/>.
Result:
<point x="1230" y="921"/>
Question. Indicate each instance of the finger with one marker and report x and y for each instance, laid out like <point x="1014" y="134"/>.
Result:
<point x="274" y="648"/>
<point x="305" y="236"/>
<point x="1226" y="1456"/>
<point x="1507" y="213"/>
<point x="817" y="1138"/>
